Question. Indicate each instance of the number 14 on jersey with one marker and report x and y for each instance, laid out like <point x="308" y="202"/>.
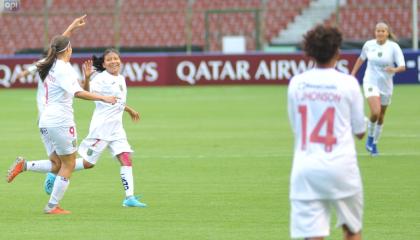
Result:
<point x="326" y="119"/>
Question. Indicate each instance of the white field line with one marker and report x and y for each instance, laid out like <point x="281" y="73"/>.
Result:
<point x="402" y="135"/>
<point x="270" y="155"/>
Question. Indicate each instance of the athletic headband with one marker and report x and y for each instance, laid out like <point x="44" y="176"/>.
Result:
<point x="382" y="24"/>
<point x="62" y="50"/>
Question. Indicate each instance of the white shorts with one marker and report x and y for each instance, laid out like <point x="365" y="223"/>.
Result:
<point x="49" y="147"/>
<point x="311" y="218"/>
<point x="373" y="91"/>
<point x="91" y="148"/>
<point x="62" y="140"/>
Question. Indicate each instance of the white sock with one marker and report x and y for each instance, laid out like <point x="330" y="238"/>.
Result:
<point x="371" y="128"/>
<point x="60" y="186"/>
<point x="79" y="164"/>
<point x="126" y="173"/>
<point x="39" y="166"/>
<point x="378" y="131"/>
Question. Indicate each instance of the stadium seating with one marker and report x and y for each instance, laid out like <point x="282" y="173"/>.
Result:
<point x="359" y="17"/>
<point x="223" y="22"/>
<point x="82" y="6"/>
<point x="164" y="23"/>
<point x="31" y="6"/>
<point x="278" y="13"/>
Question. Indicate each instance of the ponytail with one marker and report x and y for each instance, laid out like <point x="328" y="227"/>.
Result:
<point x="392" y="36"/>
<point x="45" y="65"/>
<point x="98" y="62"/>
<point x="59" y="44"/>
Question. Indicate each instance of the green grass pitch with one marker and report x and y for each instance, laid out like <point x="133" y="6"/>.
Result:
<point x="211" y="163"/>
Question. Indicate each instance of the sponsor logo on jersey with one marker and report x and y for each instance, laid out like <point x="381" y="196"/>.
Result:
<point x="89" y="152"/>
<point x="43" y="131"/>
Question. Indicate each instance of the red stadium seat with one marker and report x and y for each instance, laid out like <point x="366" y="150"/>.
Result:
<point x="163" y="23"/>
<point x="358" y="18"/>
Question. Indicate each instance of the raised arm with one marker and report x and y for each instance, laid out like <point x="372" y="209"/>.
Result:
<point x="87" y="72"/>
<point x="23" y="74"/>
<point x="77" y="23"/>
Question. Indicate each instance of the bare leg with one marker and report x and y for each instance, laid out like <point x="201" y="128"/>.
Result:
<point x="67" y="165"/>
<point x="55" y="161"/>
<point x="87" y="164"/>
<point x="382" y="115"/>
<point x="351" y="236"/>
<point x="375" y="108"/>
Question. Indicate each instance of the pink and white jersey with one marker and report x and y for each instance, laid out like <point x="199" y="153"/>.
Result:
<point x="325" y="109"/>
<point x="60" y="86"/>
<point x="40" y="98"/>
<point x="40" y="93"/>
<point x="106" y="123"/>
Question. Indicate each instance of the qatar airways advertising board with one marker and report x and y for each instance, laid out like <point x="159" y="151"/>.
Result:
<point x="242" y="69"/>
<point x="159" y="70"/>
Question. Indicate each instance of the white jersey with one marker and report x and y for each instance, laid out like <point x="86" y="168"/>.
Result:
<point x="60" y="86"/>
<point x="325" y="109"/>
<point x="40" y="97"/>
<point x="106" y="123"/>
<point x="40" y="93"/>
<point x="378" y="57"/>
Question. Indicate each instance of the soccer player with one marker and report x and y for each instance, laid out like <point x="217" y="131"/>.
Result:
<point x="57" y="120"/>
<point x="106" y="127"/>
<point x="53" y="163"/>
<point x="382" y="53"/>
<point x="325" y="110"/>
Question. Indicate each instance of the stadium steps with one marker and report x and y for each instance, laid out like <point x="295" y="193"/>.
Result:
<point x="317" y="12"/>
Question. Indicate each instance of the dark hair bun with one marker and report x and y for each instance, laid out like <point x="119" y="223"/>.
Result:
<point x="322" y="43"/>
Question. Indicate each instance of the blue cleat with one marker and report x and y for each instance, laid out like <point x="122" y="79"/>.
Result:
<point x="133" y="201"/>
<point x="369" y="144"/>
<point x="374" y="151"/>
<point x="49" y="183"/>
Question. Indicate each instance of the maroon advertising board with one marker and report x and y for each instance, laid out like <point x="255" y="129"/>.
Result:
<point x="158" y="70"/>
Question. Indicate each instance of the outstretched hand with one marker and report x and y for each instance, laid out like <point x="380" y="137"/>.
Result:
<point x="135" y="116"/>
<point x="87" y="69"/>
<point x="79" y="22"/>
